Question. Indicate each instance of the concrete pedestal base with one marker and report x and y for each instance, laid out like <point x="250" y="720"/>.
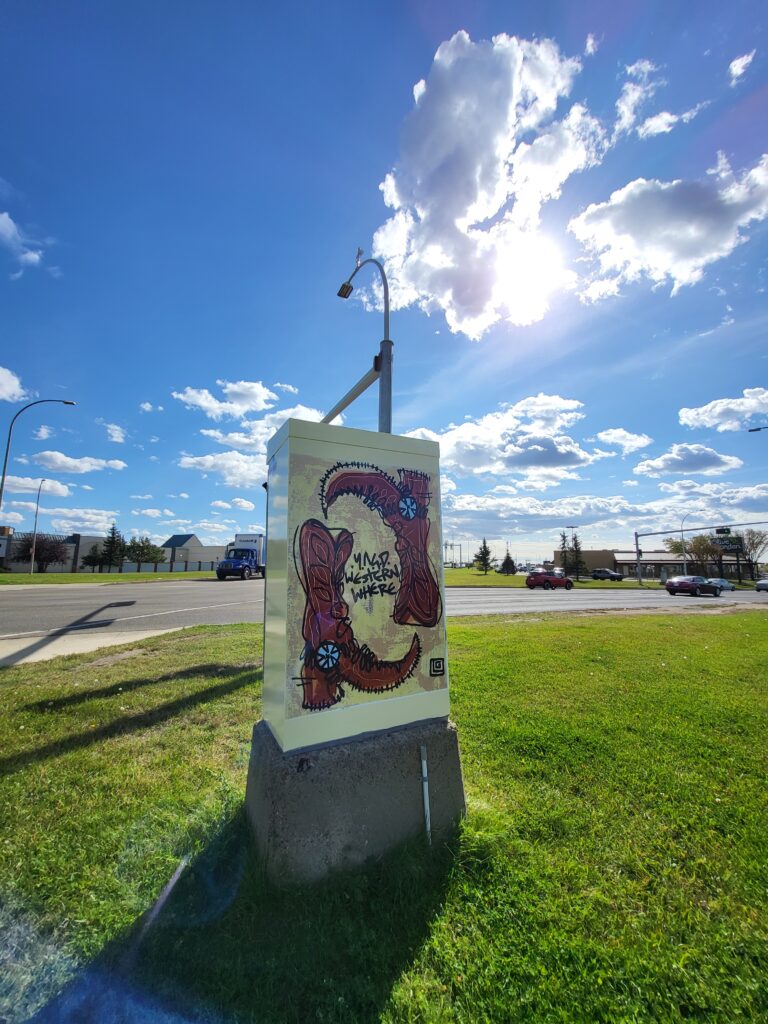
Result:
<point x="319" y="810"/>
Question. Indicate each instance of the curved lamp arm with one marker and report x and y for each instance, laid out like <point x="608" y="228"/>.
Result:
<point x="40" y="401"/>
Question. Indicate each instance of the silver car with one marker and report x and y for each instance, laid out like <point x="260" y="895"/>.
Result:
<point x="723" y="584"/>
<point x="762" y="585"/>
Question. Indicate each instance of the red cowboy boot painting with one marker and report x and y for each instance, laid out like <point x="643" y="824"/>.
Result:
<point x="332" y="655"/>
<point x="403" y="507"/>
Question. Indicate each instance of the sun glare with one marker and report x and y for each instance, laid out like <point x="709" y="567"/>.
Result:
<point x="529" y="269"/>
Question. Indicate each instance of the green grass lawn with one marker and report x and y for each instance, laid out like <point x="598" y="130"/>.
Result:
<point x="613" y="865"/>
<point x="22" y="578"/>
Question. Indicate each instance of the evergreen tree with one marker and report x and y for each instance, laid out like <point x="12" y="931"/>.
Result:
<point x="113" y="549"/>
<point x="92" y="559"/>
<point x="483" y="559"/>
<point x="577" y="562"/>
<point x="508" y="566"/>
<point x="564" y="551"/>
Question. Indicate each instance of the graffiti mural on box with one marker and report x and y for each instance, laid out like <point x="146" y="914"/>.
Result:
<point x="332" y="654"/>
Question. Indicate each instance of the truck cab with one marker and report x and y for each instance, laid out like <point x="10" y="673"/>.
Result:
<point x="244" y="558"/>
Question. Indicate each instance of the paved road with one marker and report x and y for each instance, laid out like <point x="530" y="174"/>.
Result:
<point x="39" y="621"/>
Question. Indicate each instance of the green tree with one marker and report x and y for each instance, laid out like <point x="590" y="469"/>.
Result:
<point x="508" y="566"/>
<point x="755" y="544"/>
<point x="92" y="559"/>
<point x="577" y="562"/>
<point x="483" y="559"/>
<point x="49" y="549"/>
<point x="113" y="549"/>
<point x="142" y="551"/>
<point x="564" y="551"/>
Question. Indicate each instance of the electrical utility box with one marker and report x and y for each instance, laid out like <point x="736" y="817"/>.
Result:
<point x="354" y="635"/>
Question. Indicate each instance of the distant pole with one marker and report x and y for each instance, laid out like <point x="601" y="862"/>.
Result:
<point x="34" y="535"/>
<point x="637" y="557"/>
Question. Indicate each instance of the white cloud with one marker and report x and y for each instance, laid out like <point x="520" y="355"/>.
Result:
<point x="590" y="46"/>
<point x="633" y="95"/>
<point x="479" y="156"/>
<point x="21" y="248"/>
<point x="141" y="497"/>
<point x="629" y="483"/>
<point x="60" y="463"/>
<point x="148" y="407"/>
<point x="526" y="440"/>
<point x="738" y="66"/>
<point x="722" y="497"/>
<point x="81" y="520"/>
<point x="240" y="398"/>
<point x="84" y="487"/>
<point x="152" y="513"/>
<point x="689" y="458"/>
<point x="42" y="433"/>
<point x="255" y="433"/>
<point x="670" y="231"/>
<point x="664" y="122"/>
<point x="728" y="413"/>
<point x="287" y="387"/>
<point x="220" y="504"/>
<point x="243" y="503"/>
<point x="625" y="440"/>
<point x="234" y="468"/>
<point x="29" y="485"/>
<point x="10" y="387"/>
<point x="12" y="518"/>
<point x="214" y="527"/>
<point x="181" y="494"/>
<point x="115" y="433"/>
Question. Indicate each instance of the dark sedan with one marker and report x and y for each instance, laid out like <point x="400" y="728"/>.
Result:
<point x="695" y="586"/>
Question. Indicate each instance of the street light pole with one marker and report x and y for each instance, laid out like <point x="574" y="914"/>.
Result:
<point x="40" y="401"/>
<point x="384" y="368"/>
<point x="34" y="535"/>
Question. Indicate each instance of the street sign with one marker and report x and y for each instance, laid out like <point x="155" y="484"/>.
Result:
<point x="729" y="545"/>
<point x="725" y="530"/>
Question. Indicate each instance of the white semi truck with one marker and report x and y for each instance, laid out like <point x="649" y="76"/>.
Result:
<point x="245" y="557"/>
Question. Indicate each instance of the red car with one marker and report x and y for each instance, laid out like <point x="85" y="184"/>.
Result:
<point x="547" y="580"/>
<point x="695" y="586"/>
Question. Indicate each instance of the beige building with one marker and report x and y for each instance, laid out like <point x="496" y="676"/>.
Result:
<point x="657" y="564"/>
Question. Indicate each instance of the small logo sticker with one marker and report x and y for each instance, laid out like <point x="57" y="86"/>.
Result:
<point x="437" y="666"/>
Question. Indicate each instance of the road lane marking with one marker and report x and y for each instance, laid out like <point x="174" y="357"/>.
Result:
<point x="61" y="630"/>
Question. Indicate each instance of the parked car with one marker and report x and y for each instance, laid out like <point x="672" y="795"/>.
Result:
<point x="762" y="585"/>
<point x="693" y="585"/>
<point x="606" y="574"/>
<point x="547" y="580"/>
<point x="723" y="584"/>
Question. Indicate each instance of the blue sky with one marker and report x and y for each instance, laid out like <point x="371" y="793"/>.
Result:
<point x="570" y="201"/>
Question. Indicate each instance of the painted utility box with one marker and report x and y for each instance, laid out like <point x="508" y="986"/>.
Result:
<point x="354" y="609"/>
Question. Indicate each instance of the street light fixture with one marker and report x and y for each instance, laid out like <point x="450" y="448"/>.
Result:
<point x="34" y="534"/>
<point x="383" y="369"/>
<point x="40" y="401"/>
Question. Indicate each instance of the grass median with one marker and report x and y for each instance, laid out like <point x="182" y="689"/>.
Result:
<point x="612" y="866"/>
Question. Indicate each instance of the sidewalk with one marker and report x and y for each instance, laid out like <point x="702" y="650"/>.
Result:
<point x="25" y="649"/>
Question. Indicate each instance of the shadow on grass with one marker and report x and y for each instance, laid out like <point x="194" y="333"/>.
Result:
<point x="130" y="723"/>
<point x="228" y="946"/>
<point x="124" y="688"/>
